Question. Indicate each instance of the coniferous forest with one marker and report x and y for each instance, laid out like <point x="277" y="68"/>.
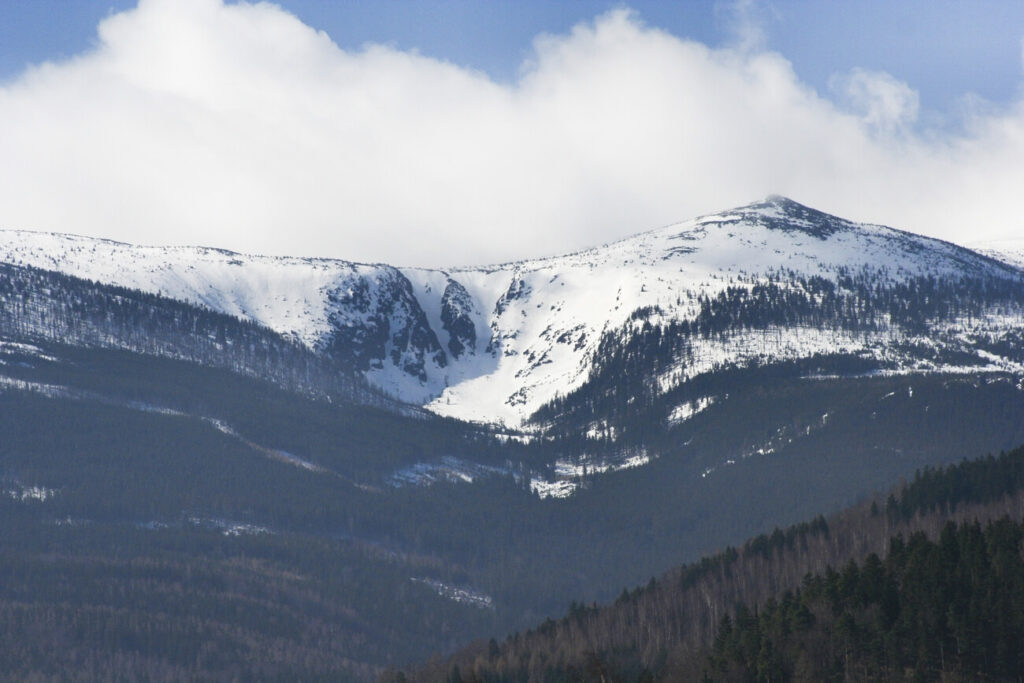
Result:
<point x="948" y="609"/>
<point x="925" y="584"/>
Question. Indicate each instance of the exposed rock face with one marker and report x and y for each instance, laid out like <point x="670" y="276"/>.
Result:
<point x="456" y="309"/>
<point x="375" y="319"/>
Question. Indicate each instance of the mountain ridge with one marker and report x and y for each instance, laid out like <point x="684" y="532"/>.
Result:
<point x="496" y="343"/>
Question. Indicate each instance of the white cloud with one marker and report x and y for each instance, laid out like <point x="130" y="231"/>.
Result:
<point x="238" y="126"/>
<point x="745" y="20"/>
<point x="885" y="103"/>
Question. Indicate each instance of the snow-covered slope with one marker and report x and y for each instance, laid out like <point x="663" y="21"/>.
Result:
<point x="1009" y="251"/>
<point x="547" y="316"/>
<point x="366" y="313"/>
<point x="494" y="344"/>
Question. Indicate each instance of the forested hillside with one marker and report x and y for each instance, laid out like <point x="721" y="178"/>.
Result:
<point x="928" y="582"/>
<point x="762" y="315"/>
<point x="46" y="306"/>
<point x="951" y="609"/>
<point x="114" y="460"/>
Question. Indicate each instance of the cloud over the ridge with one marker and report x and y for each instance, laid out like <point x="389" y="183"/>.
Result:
<point x="238" y="126"/>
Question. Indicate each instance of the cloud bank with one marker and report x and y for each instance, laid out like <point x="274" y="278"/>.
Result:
<point x="195" y="122"/>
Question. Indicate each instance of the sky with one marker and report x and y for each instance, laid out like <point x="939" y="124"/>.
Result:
<point x="451" y="132"/>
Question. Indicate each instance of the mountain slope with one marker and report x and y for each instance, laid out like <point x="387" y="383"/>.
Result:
<point x="1009" y="251"/>
<point x="114" y="455"/>
<point x="363" y="315"/>
<point x="551" y="320"/>
<point x="664" y="630"/>
<point x="39" y="305"/>
<point x="496" y="344"/>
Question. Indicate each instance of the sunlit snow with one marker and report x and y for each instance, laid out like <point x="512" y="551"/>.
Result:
<point x="537" y="323"/>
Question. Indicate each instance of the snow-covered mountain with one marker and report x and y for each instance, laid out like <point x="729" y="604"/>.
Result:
<point x="494" y="344"/>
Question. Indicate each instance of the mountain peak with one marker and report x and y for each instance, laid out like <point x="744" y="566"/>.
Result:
<point x="776" y="212"/>
<point x="777" y="203"/>
<point x="779" y="200"/>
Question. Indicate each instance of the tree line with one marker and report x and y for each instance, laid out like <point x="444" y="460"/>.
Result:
<point x="620" y="390"/>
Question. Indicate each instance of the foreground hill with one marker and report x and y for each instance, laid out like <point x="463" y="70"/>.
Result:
<point x="926" y="584"/>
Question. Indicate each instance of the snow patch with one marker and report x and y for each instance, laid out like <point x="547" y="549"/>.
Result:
<point x="568" y="476"/>
<point x="228" y="527"/>
<point x="684" y="411"/>
<point x="448" y="468"/>
<point x="23" y="492"/>
<point x="460" y="594"/>
<point x="553" y="489"/>
<point x="9" y="347"/>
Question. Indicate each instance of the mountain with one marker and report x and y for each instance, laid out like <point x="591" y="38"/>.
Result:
<point x="275" y="437"/>
<point x="496" y="344"/>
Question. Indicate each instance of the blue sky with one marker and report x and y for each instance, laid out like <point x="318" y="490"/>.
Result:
<point x="944" y="48"/>
<point x="468" y="131"/>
